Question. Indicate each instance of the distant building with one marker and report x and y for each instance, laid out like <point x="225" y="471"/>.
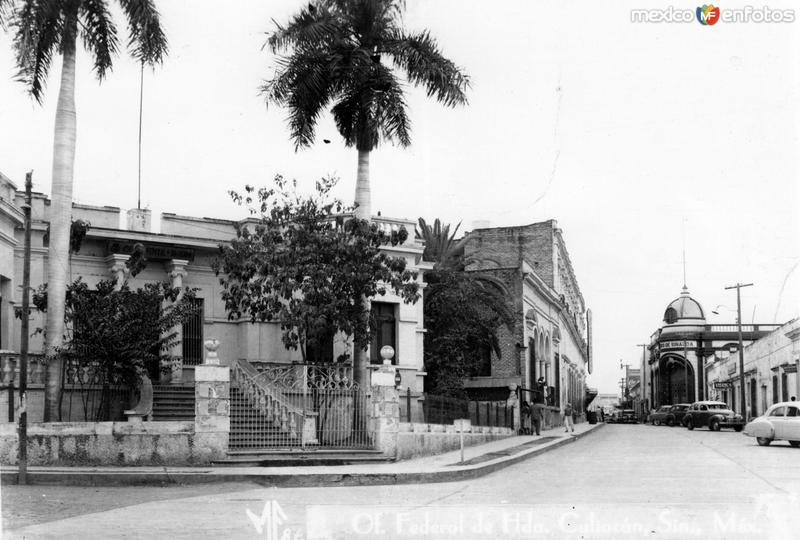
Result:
<point x="679" y="352"/>
<point x="770" y="371"/>
<point x="549" y="336"/>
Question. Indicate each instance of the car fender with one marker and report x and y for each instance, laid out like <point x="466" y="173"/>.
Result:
<point x="760" y="428"/>
<point x="718" y="417"/>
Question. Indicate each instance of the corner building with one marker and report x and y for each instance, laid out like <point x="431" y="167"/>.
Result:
<point x="549" y="337"/>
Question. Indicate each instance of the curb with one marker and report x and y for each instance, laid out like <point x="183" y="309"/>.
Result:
<point x="97" y="478"/>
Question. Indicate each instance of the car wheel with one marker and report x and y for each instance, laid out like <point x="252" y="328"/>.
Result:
<point x="670" y="422"/>
<point x="714" y="425"/>
<point x="763" y="441"/>
<point x="796" y="444"/>
<point x="689" y="424"/>
<point x="656" y="422"/>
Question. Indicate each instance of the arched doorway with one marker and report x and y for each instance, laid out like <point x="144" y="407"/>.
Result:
<point x="676" y="380"/>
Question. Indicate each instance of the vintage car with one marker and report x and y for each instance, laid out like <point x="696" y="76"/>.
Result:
<point x="668" y="414"/>
<point x="781" y="422"/>
<point x="659" y="416"/>
<point x="714" y="414"/>
<point x="628" y="416"/>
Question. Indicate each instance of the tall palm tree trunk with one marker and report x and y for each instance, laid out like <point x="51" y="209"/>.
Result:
<point x="60" y="220"/>
<point x="363" y="194"/>
<point x="363" y="211"/>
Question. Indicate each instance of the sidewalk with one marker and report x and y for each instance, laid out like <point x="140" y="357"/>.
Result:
<point x="479" y="461"/>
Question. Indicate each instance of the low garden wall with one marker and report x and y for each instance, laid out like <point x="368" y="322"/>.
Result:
<point x="113" y="443"/>
<point x="415" y="440"/>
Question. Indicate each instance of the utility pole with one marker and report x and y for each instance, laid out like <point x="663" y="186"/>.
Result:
<point x="743" y="392"/>
<point x="643" y="374"/>
<point x="22" y="478"/>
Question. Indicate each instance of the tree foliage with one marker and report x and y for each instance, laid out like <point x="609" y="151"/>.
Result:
<point x="332" y="52"/>
<point x="121" y="333"/>
<point x="44" y="28"/>
<point x="463" y="312"/>
<point x="305" y="263"/>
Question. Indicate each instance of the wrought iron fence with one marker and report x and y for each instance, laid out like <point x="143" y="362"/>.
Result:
<point x="444" y="410"/>
<point x="297" y="406"/>
<point x="300" y="376"/>
<point x="95" y="403"/>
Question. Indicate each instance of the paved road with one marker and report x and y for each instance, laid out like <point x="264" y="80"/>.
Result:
<point x="621" y="482"/>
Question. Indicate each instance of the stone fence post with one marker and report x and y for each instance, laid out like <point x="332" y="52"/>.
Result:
<point x="212" y="423"/>
<point x="513" y="401"/>
<point x="384" y="410"/>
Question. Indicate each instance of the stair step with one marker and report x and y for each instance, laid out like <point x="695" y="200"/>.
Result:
<point x="256" y="458"/>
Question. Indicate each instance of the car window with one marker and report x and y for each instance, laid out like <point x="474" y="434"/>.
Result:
<point x="792" y="411"/>
<point x="664" y="409"/>
<point x="716" y="406"/>
<point x="703" y="408"/>
<point x="778" y="411"/>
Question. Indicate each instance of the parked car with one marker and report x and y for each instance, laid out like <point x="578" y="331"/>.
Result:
<point x="713" y="414"/>
<point x="781" y="422"/>
<point x="628" y="416"/>
<point x="677" y="412"/>
<point x="659" y="416"/>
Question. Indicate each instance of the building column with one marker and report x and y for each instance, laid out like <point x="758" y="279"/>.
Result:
<point x="176" y="270"/>
<point x="118" y="268"/>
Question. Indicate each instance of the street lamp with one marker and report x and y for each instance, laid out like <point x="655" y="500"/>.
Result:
<point x="627" y="394"/>
<point x="743" y="393"/>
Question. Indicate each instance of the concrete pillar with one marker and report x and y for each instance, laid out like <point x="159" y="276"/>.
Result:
<point x="384" y="410"/>
<point x="513" y="401"/>
<point x="176" y="270"/>
<point x="118" y="268"/>
<point x="212" y="408"/>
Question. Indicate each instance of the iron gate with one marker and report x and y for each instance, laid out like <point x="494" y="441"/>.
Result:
<point x="297" y="406"/>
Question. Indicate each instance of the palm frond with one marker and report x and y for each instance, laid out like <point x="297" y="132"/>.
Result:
<point x="147" y="41"/>
<point x="38" y="34"/>
<point x="419" y="56"/>
<point x="441" y="246"/>
<point x="99" y="34"/>
<point x="314" y="26"/>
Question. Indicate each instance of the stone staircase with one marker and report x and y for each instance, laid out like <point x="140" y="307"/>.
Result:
<point x="252" y="428"/>
<point x="173" y="403"/>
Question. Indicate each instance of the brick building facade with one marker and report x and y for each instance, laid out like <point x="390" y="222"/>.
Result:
<point x="548" y="340"/>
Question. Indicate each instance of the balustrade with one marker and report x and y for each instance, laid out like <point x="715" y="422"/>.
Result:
<point x="10" y="365"/>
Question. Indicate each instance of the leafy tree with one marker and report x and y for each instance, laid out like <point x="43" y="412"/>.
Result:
<point x="331" y="53"/>
<point x="43" y="29"/>
<point x="306" y="264"/>
<point x="119" y="333"/>
<point x="463" y="311"/>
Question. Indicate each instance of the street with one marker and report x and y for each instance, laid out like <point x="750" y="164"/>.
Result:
<point x="624" y="481"/>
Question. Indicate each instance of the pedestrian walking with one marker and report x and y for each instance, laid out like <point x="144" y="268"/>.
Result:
<point x="569" y="425"/>
<point x="538" y="419"/>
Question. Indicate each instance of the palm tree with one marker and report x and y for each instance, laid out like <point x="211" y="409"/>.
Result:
<point x="43" y="29"/>
<point x="481" y="301"/>
<point x="332" y="53"/>
<point x="441" y="246"/>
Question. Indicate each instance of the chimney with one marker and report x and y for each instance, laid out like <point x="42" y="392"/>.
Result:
<point x="139" y="220"/>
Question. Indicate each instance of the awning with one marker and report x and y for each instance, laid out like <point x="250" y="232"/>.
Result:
<point x="591" y="393"/>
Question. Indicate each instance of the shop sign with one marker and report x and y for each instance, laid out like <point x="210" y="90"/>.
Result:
<point x="719" y="385"/>
<point x="673" y="345"/>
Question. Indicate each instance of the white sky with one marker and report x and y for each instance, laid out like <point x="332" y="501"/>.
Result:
<point x="627" y="134"/>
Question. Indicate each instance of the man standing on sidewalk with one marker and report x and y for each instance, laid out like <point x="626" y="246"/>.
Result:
<point x="568" y="424"/>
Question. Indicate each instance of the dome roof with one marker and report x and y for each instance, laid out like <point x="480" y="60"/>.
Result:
<point x="683" y="307"/>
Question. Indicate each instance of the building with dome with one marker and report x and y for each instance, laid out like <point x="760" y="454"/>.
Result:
<point x="682" y="349"/>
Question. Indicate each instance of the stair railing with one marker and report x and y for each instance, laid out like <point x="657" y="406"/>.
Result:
<point x="267" y="400"/>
